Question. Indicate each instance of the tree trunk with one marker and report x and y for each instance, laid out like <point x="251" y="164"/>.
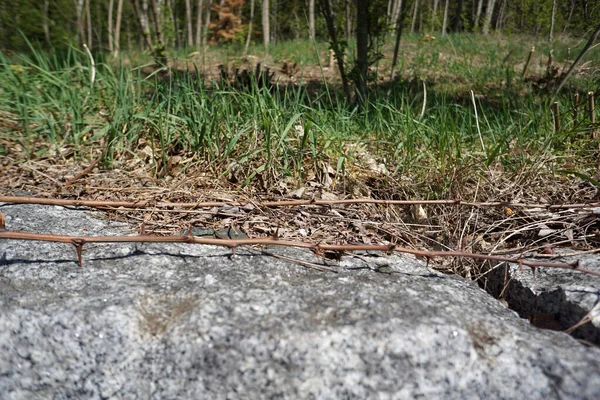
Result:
<point x="311" y="19"/>
<point x="265" y="24"/>
<point x="159" y="50"/>
<point x="570" y="15"/>
<point x="489" y="13"/>
<point x="199" y="7"/>
<point x="146" y="22"/>
<point x="188" y="20"/>
<point x="141" y="12"/>
<point x="348" y="30"/>
<point x="46" y="23"/>
<point x="89" y="23"/>
<point x="111" y="38"/>
<point x="478" y="15"/>
<point x="207" y="23"/>
<point x="335" y="44"/>
<point x="414" y="17"/>
<point x="500" y="19"/>
<point x="399" y="26"/>
<point x="362" y="47"/>
<point x="117" y="31"/>
<point x="457" y="17"/>
<point x="273" y="24"/>
<point x="79" y="9"/>
<point x="434" y="14"/>
<point x="176" y="33"/>
<point x="445" y="19"/>
<point x="397" y="4"/>
<point x="250" y="22"/>
<point x="552" y="21"/>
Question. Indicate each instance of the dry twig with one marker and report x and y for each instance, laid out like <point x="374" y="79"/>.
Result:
<point x="282" y="203"/>
<point x="233" y="244"/>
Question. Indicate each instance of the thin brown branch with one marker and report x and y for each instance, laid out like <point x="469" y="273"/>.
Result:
<point x="79" y="241"/>
<point x="82" y="173"/>
<point x="283" y="203"/>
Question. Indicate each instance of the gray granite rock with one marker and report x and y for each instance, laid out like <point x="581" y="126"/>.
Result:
<point x="175" y="321"/>
<point x="553" y="298"/>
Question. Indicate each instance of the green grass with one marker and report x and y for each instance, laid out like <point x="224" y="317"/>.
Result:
<point x="51" y="103"/>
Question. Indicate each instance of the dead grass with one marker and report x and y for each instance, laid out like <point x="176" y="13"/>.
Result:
<point x="486" y="230"/>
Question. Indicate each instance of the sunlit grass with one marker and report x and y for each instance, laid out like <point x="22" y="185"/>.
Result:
<point x="287" y="130"/>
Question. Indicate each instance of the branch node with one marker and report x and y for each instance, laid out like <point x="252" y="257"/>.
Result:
<point x="189" y="235"/>
<point x="390" y="249"/>
<point x="79" y="248"/>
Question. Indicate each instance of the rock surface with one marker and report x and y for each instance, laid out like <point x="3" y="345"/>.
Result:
<point x="176" y="321"/>
<point x="553" y="298"/>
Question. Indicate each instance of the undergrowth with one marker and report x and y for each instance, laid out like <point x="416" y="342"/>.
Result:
<point x="428" y="125"/>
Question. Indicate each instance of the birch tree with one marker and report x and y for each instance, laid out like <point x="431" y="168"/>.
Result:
<point x="552" y="21"/>
<point x="88" y="18"/>
<point x="188" y="20"/>
<point x="445" y="19"/>
<point x="199" y="7"/>
<point x="434" y="14"/>
<point x="478" y="15"/>
<point x="414" y="17"/>
<point x="311" y="19"/>
<point x="46" y="22"/>
<point x="117" y="29"/>
<point x="111" y="38"/>
<point x="265" y="24"/>
<point x="362" y="47"/>
<point x="489" y="13"/>
<point x="207" y="23"/>
<point x="250" y="22"/>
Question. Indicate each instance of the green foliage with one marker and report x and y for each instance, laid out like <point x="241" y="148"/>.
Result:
<point x="289" y="19"/>
<point x="168" y="27"/>
<point x="288" y="131"/>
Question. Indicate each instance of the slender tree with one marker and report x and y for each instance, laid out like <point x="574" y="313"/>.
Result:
<point x="396" y="5"/>
<point x="445" y="18"/>
<point x="434" y="14"/>
<point x="489" y="13"/>
<point x="80" y="8"/>
<point x="207" y="23"/>
<point x="188" y="20"/>
<point x="250" y="22"/>
<point x="414" y="17"/>
<point x="399" y="26"/>
<point x="348" y="12"/>
<point x="570" y="15"/>
<point x="46" y="22"/>
<point x="265" y="24"/>
<point x="458" y="16"/>
<point x="478" y="15"/>
<point x="362" y="47"/>
<point x="117" y="29"/>
<point x="199" y="7"/>
<point x="88" y="17"/>
<point x="335" y="45"/>
<point x="159" y="49"/>
<point x="552" y="21"/>
<point x="311" y="19"/>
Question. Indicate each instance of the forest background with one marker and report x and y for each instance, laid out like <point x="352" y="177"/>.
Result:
<point x="133" y="24"/>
